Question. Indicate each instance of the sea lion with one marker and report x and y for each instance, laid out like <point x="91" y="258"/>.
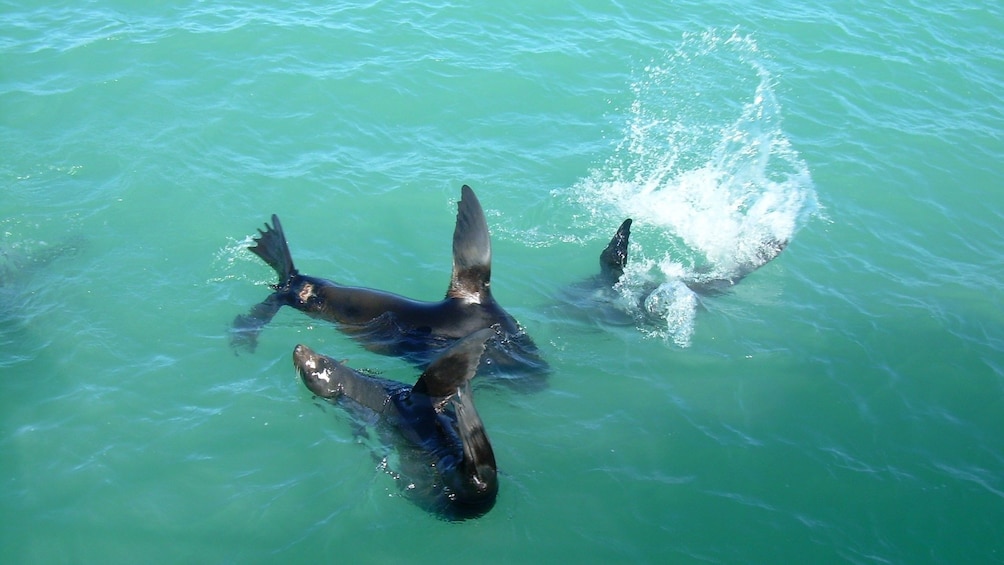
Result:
<point x="448" y="466"/>
<point x="599" y="295"/>
<point x="614" y="257"/>
<point x="390" y="324"/>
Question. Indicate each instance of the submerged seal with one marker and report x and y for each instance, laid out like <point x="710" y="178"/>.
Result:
<point x="390" y="324"/>
<point x="448" y="465"/>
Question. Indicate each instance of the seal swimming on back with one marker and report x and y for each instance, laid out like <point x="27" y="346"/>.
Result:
<point x="599" y="295"/>
<point x="391" y="324"/>
<point x="448" y="465"/>
<point x="614" y="257"/>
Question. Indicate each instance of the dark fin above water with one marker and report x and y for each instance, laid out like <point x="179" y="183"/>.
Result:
<point x="271" y="246"/>
<point x="472" y="251"/>
<point x="457" y="365"/>
<point x="479" y="486"/>
<point x="614" y="257"/>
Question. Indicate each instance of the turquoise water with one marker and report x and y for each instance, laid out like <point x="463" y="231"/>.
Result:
<point x="845" y="403"/>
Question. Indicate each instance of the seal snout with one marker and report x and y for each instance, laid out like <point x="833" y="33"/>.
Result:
<point x="318" y="372"/>
<point x="304" y="359"/>
<point x="300" y="352"/>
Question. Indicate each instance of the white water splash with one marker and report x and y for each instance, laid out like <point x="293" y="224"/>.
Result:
<point x="226" y="259"/>
<point x="705" y="171"/>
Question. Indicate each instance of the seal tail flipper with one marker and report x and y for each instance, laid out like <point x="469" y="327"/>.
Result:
<point x="457" y="365"/>
<point x="472" y="250"/>
<point x="271" y="246"/>
<point x="614" y="257"/>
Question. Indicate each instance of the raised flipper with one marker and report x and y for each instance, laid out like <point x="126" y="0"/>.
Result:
<point x="614" y="257"/>
<point x="472" y="251"/>
<point x="451" y="370"/>
<point x="271" y="246"/>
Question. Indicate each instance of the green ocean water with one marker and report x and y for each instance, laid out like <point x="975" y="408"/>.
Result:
<point x="844" y="403"/>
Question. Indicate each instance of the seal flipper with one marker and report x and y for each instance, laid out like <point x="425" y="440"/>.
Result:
<point x="477" y="487"/>
<point x="271" y="246"/>
<point x="448" y="381"/>
<point x="455" y="367"/>
<point x="472" y="251"/>
<point x="614" y="257"/>
<point x="246" y="327"/>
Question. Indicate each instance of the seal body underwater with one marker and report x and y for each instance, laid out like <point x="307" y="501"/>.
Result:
<point x="448" y="465"/>
<point x="391" y="324"/>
